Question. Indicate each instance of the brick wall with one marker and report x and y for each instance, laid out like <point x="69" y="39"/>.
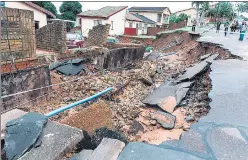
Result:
<point x="152" y="31"/>
<point x="98" y="35"/>
<point x="52" y="37"/>
<point x="20" y="32"/>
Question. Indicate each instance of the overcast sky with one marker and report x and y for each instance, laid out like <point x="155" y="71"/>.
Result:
<point x="174" y="6"/>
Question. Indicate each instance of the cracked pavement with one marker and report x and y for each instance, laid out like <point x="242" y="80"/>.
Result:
<point x="223" y="132"/>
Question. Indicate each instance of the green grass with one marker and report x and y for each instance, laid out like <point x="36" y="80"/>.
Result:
<point x="184" y="29"/>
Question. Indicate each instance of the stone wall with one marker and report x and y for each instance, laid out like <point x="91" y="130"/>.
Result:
<point x="17" y="25"/>
<point x="24" y="80"/>
<point x="98" y="35"/>
<point x="52" y="37"/>
<point x="106" y="58"/>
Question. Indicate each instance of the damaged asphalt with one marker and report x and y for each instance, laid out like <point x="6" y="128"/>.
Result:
<point x="223" y="132"/>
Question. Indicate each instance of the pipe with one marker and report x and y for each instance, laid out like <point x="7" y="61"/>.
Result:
<point x="57" y="111"/>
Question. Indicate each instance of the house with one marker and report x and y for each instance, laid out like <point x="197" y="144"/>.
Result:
<point x="191" y="12"/>
<point x="136" y="24"/>
<point x="41" y="15"/>
<point x="113" y="15"/>
<point x="160" y="15"/>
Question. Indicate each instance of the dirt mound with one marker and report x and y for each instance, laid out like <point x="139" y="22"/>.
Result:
<point x="95" y="116"/>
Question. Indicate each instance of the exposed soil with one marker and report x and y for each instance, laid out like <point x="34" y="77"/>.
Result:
<point x="95" y="116"/>
<point x="124" y="110"/>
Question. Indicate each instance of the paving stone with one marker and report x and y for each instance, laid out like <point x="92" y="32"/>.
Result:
<point x="57" y="139"/>
<point x="8" y="116"/>
<point x="191" y="142"/>
<point x="83" y="155"/>
<point x="143" y="151"/>
<point x="108" y="149"/>
<point x="227" y="143"/>
<point x="167" y="120"/>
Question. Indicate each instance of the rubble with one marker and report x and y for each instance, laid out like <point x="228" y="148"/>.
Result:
<point x="165" y="119"/>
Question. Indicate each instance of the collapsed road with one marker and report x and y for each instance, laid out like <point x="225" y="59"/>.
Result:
<point x="155" y="101"/>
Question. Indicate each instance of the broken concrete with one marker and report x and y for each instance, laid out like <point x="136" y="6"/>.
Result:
<point x="163" y="96"/>
<point x="138" y="151"/>
<point x="205" y="56"/>
<point x="104" y="132"/>
<point x="9" y="116"/>
<point x="23" y="133"/>
<point x="56" y="141"/>
<point x="83" y="155"/>
<point x="197" y="69"/>
<point x="167" y="120"/>
<point x="108" y="149"/>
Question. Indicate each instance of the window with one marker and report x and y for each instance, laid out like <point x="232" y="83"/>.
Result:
<point x="80" y="21"/>
<point x="97" y="22"/>
<point x="130" y="24"/>
<point x="145" y="26"/>
<point x="159" y="17"/>
<point x="140" y="25"/>
<point x="112" y="25"/>
<point x="36" y="25"/>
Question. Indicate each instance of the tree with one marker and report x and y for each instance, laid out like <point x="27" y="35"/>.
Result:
<point x="69" y="10"/>
<point x="177" y="19"/>
<point x="226" y="9"/>
<point x="197" y="4"/>
<point x="47" y="5"/>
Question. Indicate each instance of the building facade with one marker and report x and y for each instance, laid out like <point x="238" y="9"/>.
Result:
<point x="191" y="12"/>
<point x="40" y="14"/>
<point x="113" y="15"/>
<point x="160" y="15"/>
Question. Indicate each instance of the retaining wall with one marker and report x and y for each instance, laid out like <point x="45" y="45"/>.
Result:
<point x="24" y="80"/>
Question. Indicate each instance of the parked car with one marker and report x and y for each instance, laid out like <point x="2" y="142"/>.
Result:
<point x="74" y="40"/>
<point x="112" y="40"/>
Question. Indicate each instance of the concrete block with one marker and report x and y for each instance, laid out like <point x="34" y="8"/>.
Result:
<point x="108" y="149"/>
<point x="57" y="139"/>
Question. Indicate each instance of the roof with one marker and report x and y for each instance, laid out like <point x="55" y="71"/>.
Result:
<point x="40" y="9"/>
<point x="131" y="17"/>
<point x="144" y="19"/>
<point x="104" y="12"/>
<point x="147" y="9"/>
<point x="185" y="10"/>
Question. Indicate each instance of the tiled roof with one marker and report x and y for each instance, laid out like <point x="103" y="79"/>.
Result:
<point x="104" y="12"/>
<point x="131" y="17"/>
<point x="152" y="9"/>
<point x="40" y="9"/>
<point x="184" y="10"/>
<point x="144" y="19"/>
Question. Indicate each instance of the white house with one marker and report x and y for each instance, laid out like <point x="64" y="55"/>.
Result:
<point x="160" y="15"/>
<point x="41" y="15"/>
<point x="139" y="22"/>
<point x="190" y="12"/>
<point x="113" y="15"/>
